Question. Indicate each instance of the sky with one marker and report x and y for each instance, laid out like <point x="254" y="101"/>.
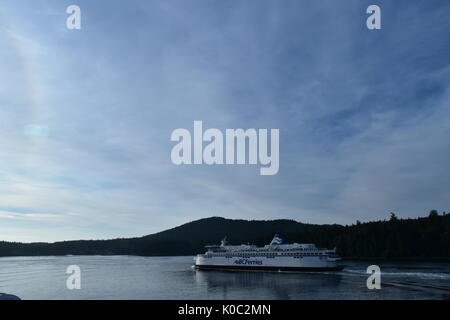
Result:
<point x="86" y="115"/>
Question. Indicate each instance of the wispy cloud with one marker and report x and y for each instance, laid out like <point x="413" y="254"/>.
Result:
<point x="30" y="216"/>
<point x="86" y="116"/>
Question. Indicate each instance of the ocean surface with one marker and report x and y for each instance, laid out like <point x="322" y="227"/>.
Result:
<point x="130" y="277"/>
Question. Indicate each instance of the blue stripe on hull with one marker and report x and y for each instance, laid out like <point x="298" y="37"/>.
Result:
<point x="265" y="268"/>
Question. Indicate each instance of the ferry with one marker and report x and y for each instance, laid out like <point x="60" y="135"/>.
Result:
<point x="276" y="256"/>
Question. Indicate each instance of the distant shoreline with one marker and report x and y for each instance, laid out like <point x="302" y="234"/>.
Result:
<point x="435" y="259"/>
<point x="419" y="239"/>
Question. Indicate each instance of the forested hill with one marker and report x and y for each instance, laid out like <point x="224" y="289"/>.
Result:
<point x="427" y="237"/>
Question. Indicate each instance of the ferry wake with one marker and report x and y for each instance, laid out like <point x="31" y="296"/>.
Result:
<point x="276" y="256"/>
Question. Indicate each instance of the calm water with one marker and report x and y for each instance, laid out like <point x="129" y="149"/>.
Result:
<point x="129" y="277"/>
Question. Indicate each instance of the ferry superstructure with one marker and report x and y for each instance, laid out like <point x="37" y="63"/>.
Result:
<point x="276" y="256"/>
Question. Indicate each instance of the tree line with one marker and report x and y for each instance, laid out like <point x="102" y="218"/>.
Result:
<point x="394" y="238"/>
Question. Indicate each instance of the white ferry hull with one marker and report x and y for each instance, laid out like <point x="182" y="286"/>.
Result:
<point x="279" y="263"/>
